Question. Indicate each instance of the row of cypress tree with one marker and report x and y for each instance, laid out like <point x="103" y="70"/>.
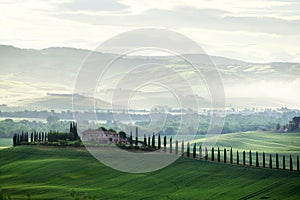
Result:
<point x="26" y="138"/>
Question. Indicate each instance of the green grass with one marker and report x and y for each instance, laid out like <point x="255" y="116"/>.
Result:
<point x="53" y="172"/>
<point x="5" y="142"/>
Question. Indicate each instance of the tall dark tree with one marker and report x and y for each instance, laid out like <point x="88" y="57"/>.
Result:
<point x="231" y="156"/>
<point x="31" y="137"/>
<point x="75" y="132"/>
<point x="137" y="136"/>
<point x="159" y="142"/>
<point x="71" y="127"/>
<point x="237" y="157"/>
<point x="171" y="145"/>
<point x="283" y="162"/>
<point x="270" y="161"/>
<point x="250" y="158"/>
<point x="219" y="156"/>
<point x="149" y="142"/>
<point x="212" y="154"/>
<point x="225" y="155"/>
<point x="244" y="158"/>
<point x="206" y="153"/>
<point x="277" y="161"/>
<point x="194" y="151"/>
<point x="264" y="160"/>
<point x="188" y="150"/>
<point x="257" y="162"/>
<point x="153" y="140"/>
<point x="130" y="138"/>
<point x="165" y="143"/>
<point x="15" y="140"/>
<point x="291" y="163"/>
<point x="182" y="148"/>
<point x="145" y="140"/>
<point x="35" y="136"/>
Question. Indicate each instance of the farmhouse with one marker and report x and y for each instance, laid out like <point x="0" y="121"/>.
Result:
<point x="103" y="137"/>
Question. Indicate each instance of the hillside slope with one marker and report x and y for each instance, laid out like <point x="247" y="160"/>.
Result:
<point x="52" y="173"/>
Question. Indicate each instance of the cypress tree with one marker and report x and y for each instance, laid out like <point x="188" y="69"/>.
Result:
<point x="176" y="147"/>
<point x="264" y="160"/>
<point x="21" y="137"/>
<point x="277" y="161"/>
<point x="270" y="161"/>
<point x="250" y="158"/>
<point x="165" y="143"/>
<point x="237" y="157"/>
<point x="225" y="155"/>
<point x="231" y="156"/>
<point x="31" y="137"/>
<point x="159" y="142"/>
<point x="153" y="140"/>
<point x="149" y="143"/>
<point x="26" y="137"/>
<point x="244" y="158"/>
<point x="75" y="133"/>
<point x="194" y="151"/>
<point x="170" y="144"/>
<point x="219" y="156"/>
<point x="136" y="136"/>
<point x="212" y="154"/>
<point x="200" y="152"/>
<point x="15" y="140"/>
<point x="71" y="127"/>
<point x="206" y="154"/>
<point x="291" y="163"/>
<point x="18" y="139"/>
<point x="130" y="138"/>
<point x="283" y="162"/>
<point x="188" y="150"/>
<point x="257" y="162"/>
<point x="182" y="148"/>
<point x="35" y="136"/>
<point x="145" y="140"/>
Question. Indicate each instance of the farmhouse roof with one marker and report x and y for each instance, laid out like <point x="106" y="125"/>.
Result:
<point x="91" y="131"/>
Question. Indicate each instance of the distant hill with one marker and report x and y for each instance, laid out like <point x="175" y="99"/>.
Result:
<point x="64" y="102"/>
<point x="27" y="75"/>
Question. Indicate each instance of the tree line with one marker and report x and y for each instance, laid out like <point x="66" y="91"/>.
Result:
<point x="47" y="138"/>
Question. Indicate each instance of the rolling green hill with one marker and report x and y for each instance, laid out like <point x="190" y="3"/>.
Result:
<point x="52" y="173"/>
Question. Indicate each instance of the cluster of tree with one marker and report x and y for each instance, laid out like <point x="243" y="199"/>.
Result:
<point x="293" y="125"/>
<point x="43" y="137"/>
<point x="26" y="138"/>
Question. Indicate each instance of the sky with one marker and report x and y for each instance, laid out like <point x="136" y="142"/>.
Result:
<point x="256" y="31"/>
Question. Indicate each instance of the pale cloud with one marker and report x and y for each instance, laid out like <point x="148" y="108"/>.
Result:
<point x="259" y="30"/>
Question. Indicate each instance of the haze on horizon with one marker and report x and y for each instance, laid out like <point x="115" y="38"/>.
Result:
<point x="257" y="31"/>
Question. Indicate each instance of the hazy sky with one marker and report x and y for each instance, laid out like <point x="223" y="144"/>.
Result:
<point x="257" y="30"/>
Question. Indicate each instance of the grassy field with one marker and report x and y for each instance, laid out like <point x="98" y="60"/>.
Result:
<point x="285" y="144"/>
<point x="5" y="142"/>
<point x="52" y="173"/>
